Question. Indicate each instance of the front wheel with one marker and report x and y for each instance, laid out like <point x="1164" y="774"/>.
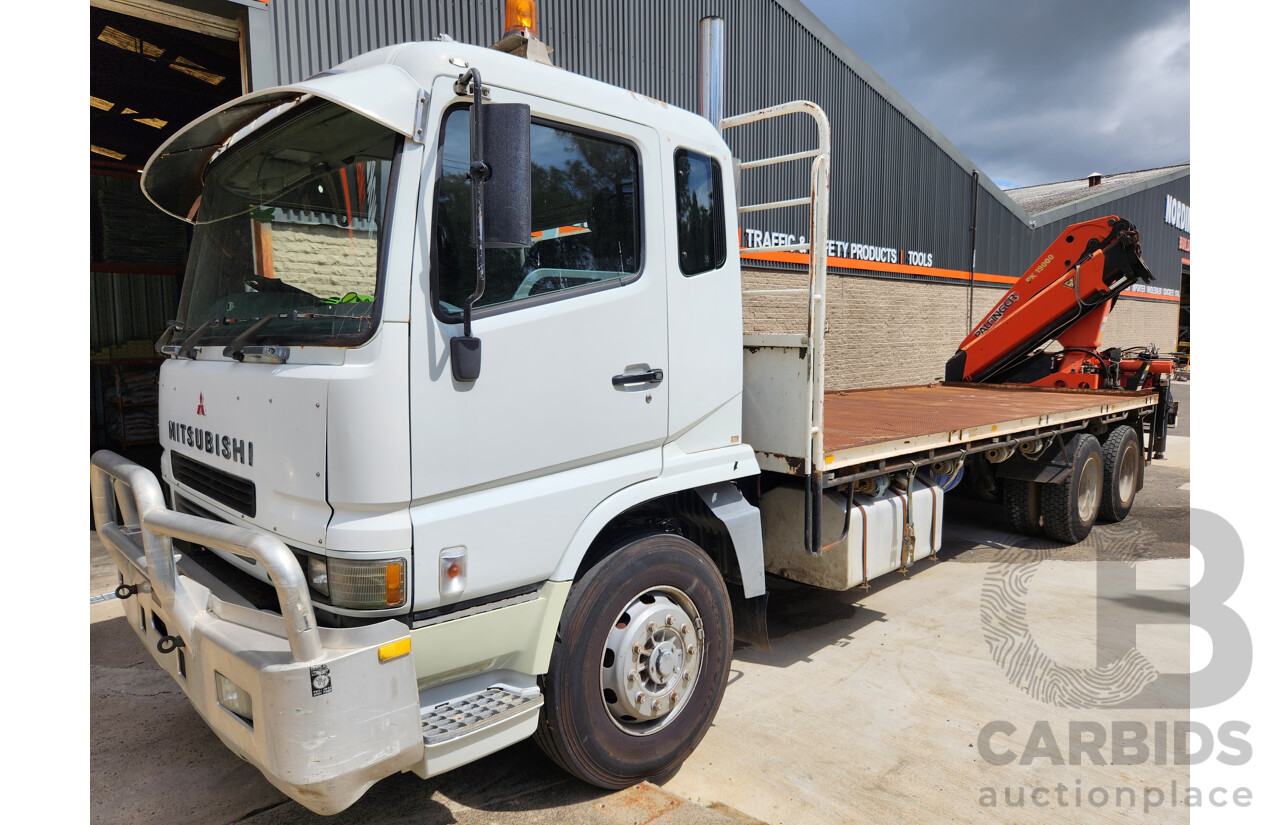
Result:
<point x="639" y="665"/>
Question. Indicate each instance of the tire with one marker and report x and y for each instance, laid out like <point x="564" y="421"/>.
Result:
<point x="1022" y="505"/>
<point x="1121" y="473"/>
<point x="591" y="724"/>
<point x="1071" y="507"/>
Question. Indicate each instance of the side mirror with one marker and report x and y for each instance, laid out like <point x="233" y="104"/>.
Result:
<point x="507" y="198"/>
<point x="500" y="158"/>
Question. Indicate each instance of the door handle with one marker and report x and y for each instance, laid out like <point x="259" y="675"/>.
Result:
<point x="650" y="377"/>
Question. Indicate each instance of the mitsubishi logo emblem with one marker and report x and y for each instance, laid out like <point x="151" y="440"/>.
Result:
<point x="200" y="406"/>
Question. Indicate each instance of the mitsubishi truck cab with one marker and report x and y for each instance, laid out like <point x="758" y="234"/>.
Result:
<point x="308" y="396"/>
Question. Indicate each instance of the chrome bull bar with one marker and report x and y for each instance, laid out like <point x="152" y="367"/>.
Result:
<point x="128" y="505"/>
<point x="328" y="713"/>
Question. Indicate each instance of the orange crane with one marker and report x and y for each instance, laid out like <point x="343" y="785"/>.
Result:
<point x="1066" y="296"/>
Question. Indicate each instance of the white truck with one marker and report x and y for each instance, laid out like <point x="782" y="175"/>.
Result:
<point x="382" y="547"/>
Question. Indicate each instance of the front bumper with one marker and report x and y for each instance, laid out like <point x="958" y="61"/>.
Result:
<point x="329" y="716"/>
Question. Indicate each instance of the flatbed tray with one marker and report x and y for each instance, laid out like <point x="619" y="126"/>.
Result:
<point x="873" y="424"/>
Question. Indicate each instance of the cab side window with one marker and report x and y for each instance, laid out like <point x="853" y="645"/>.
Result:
<point x="586" y="219"/>
<point x="699" y="213"/>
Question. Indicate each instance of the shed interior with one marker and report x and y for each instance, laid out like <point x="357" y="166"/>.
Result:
<point x="147" y="79"/>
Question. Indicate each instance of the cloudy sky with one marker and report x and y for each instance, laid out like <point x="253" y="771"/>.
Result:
<point x="1038" y="90"/>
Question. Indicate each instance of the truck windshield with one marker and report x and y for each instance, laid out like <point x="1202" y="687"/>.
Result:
<point x="289" y="227"/>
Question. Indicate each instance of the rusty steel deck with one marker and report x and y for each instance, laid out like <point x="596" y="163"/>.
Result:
<point x="874" y="424"/>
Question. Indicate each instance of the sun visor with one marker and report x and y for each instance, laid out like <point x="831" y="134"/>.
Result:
<point x="174" y="176"/>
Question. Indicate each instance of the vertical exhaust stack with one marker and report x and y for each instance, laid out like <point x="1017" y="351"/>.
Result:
<point x="711" y="84"/>
<point x="711" y="69"/>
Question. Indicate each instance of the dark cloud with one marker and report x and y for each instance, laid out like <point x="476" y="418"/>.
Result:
<point x="1036" y="91"/>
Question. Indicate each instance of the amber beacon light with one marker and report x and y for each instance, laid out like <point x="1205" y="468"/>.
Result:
<point x="522" y="18"/>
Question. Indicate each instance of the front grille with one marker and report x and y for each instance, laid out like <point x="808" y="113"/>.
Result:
<point x="233" y="491"/>
<point x="182" y="504"/>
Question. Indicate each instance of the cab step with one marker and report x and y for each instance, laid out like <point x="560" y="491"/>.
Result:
<point x="470" y="713"/>
<point x="464" y="729"/>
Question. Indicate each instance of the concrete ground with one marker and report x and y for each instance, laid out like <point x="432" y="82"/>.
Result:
<point x="870" y="707"/>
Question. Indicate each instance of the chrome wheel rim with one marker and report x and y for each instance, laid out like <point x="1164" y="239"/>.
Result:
<point x="1088" y="494"/>
<point x="651" y="661"/>
<point x="1127" y="474"/>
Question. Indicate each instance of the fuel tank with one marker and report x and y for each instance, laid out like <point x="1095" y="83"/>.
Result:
<point x="871" y="546"/>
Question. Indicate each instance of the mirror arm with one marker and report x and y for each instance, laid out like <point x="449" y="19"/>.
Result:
<point x="479" y="172"/>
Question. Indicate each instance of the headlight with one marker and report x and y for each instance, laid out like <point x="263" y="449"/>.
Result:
<point x="233" y="697"/>
<point x="317" y="574"/>
<point x="372" y="584"/>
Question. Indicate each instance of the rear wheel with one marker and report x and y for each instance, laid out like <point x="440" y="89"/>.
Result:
<point x="1022" y="505"/>
<point x="639" y="665"/>
<point x="1121" y="473"/>
<point x="1071" y="507"/>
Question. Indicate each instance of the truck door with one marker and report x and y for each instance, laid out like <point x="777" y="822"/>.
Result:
<point x="571" y="402"/>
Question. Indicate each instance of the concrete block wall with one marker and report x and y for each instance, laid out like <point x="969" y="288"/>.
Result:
<point x="1134" y="323"/>
<point x="883" y="332"/>
<point x="324" y="260"/>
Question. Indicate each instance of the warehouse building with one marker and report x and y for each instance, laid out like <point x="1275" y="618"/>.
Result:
<point x="921" y="241"/>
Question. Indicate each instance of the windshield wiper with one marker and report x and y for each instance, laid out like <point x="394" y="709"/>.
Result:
<point x="162" y="343"/>
<point x="188" y="348"/>
<point x="238" y="348"/>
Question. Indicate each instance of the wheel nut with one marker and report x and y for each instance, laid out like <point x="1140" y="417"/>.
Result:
<point x="631" y="677"/>
<point x="652" y="627"/>
<point x="670" y="621"/>
<point x="687" y="676"/>
<point x="690" y="650"/>
<point x="639" y="698"/>
<point x="655" y="706"/>
<point x="684" y="630"/>
<point x="675" y="696"/>
<point x="635" y="648"/>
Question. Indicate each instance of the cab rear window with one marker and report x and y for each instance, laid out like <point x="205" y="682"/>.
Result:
<point x="699" y="213"/>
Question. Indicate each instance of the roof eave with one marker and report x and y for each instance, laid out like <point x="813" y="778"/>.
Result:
<point x="1066" y="210"/>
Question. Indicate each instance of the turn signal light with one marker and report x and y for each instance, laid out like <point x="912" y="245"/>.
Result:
<point x="522" y="18"/>
<point x="453" y="571"/>
<point x="395" y="583"/>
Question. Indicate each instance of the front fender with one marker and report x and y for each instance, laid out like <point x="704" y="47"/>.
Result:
<point x="680" y="471"/>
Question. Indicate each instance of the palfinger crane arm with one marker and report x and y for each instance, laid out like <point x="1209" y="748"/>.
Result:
<point x="1065" y="296"/>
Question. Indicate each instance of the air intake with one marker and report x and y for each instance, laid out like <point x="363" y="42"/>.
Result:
<point x="237" y="493"/>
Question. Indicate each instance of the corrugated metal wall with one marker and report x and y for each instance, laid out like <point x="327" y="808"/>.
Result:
<point x="129" y="307"/>
<point x="137" y="252"/>
<point x="892" y="185"/>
